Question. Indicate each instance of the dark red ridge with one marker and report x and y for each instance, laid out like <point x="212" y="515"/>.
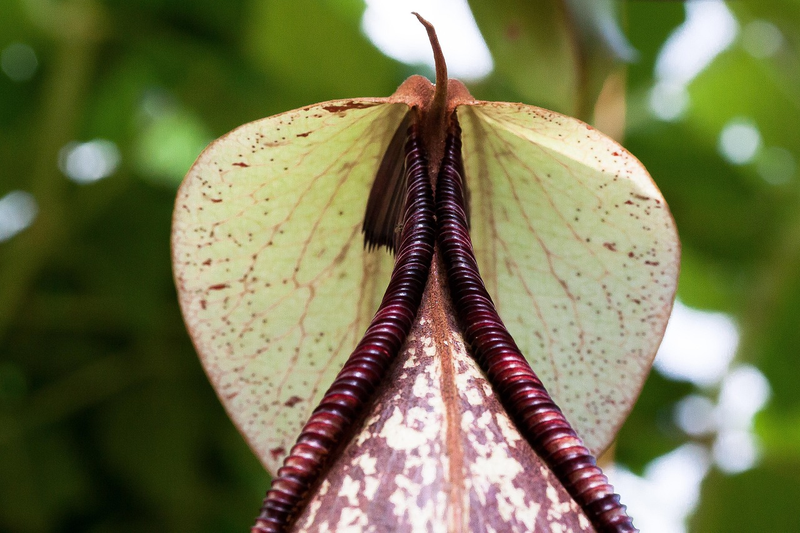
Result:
<point x="353" y="387"/>
<point x="540" y="421"/>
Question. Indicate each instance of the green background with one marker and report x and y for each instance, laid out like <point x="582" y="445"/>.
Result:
<point x="107" y="422"/>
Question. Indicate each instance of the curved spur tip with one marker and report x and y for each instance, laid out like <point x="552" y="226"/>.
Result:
<point x="422" y="20"/>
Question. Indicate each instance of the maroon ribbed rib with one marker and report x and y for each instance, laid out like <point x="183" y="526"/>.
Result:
<point x="539" y="419"/>
<point x="367" y="365"/>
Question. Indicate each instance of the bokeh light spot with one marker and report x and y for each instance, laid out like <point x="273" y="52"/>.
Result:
<point x="776" y="165"/>
<point x="169" y="143"/>
<point x="89" y="161"/>
<point x="745" y="391"/>
<point x="739" y="141"/>
<point x="735" y="451"/>
<point x="695" y="415"/>
<point x="698" y="346"/>
<point x="668" y="101"/>
<point x="662" y="498"/>
<point x="391" y="27"/>
<point x="18" y="210"/>
<point x="19" y="62"/>
<point x="761" y="38"/>
<point x="708" y="30"/>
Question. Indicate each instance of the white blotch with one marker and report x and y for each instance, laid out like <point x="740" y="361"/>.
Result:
<point x="468" y="420"/>
<point x="19" y="62"/>
<point x="473" y="396"/>
<point x="510" y="433"/>
<point x="350" y="489"/>
<point x="404" y="500"/>
<point x="412" y="361"/>
<point x="776" y="165"/>
<point x="18" y="210"/>
<point x="483" y="422"/>
<point x="391" y="27"/>
<point x="430" y="471"/>
<point x="401" y="435"/>
<point x="90" y="161"/>
<point x="499" y="469"/>
<point x="739" y="141"/>
<point x="352" y="519"/>
<point x="709" y="29"/>
<point x="315" y="506"/>
<point x="668" y="491"/>
<point x="371" y="485"/>
<point x="368" y="464"/>
<point x="761" y="38"/>
<point x="698" y="346"/>
<point x="557" y="507"/>
<point x="583" y="521"/>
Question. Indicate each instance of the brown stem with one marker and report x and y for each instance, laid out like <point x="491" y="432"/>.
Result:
<point x="435" y="117"/>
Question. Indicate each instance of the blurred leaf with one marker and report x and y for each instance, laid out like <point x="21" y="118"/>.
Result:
<point x="759" y="95"/>
<point x="150" y="439"/>
<point x="762" y="499"/>
<point x="169" y="144"/>
<point x="651" y="416"/>
<point x="779" y="432"/>
<point x="318" y="51"/>
<point x="708" y="283"/>
<point x="598" y="21"/>
<point x="534" y="50"/>
<point x="720" y="210"/>
<point x="772" y="334"/>
<point x="648" y="28"/>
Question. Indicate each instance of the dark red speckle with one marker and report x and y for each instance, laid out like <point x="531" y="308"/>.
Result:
<point x="651" y="263"/>
<point x="513" y="32"/>
<point x="306" y="134"/>
<point x="244" y="165"/>
<point x="278" y="452"/>
<point x="218" y="287"/>
<point x="294" y="400"/>
<point x="216" y="200"/>
<point x="611" y="246"/>
<point x="207" y="262"/>
<point x="616" y="154"/>
<point x="346" y="106"/>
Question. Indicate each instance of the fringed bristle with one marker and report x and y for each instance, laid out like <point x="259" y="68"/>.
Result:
<point x="353" y="388"/>
<point x="538" y="418"/>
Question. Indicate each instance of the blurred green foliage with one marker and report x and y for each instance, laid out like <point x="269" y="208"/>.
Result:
<point x="107" y="422"/>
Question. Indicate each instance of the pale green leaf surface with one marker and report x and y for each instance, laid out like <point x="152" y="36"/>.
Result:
<point x="274" y="282"/>
<point x="578" y="249"/>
